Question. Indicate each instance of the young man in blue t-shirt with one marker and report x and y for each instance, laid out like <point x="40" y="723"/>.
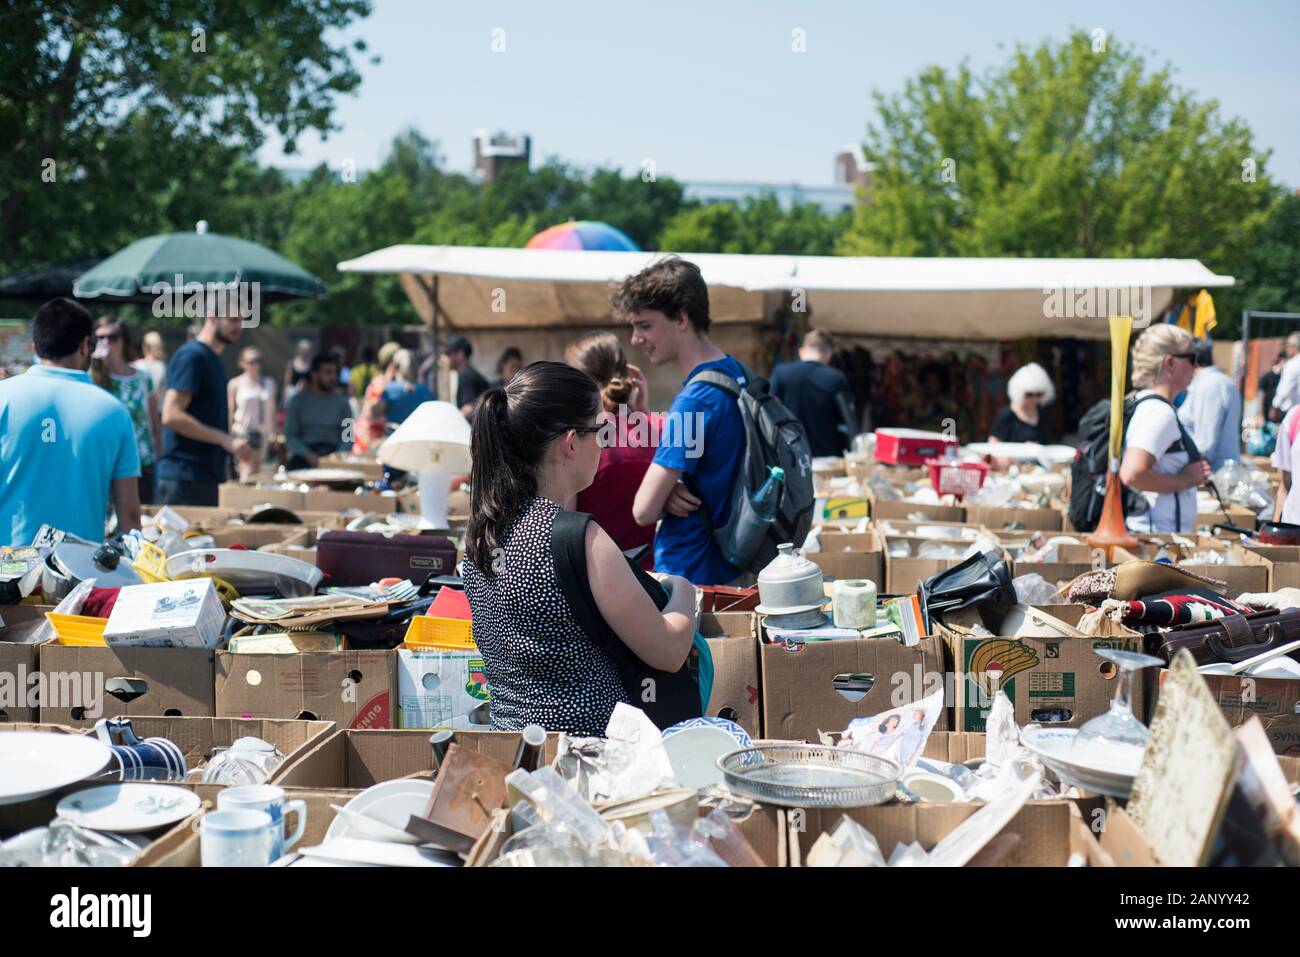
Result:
<point x="702" y="441"/>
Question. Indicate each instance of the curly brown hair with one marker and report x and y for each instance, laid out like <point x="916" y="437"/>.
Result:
<point x="671" y="286"/>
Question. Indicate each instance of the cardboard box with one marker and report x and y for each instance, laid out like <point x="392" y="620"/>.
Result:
<point x="851" y="555"/>
<point x="85" y="684"/>
<point x="904" y="575"/>
<point x="995" y="517"/>
<point x="1252" y="575"/>
<point x="254" y="536"/>
<point x="800" y="699"/>
<point x="354" y="689"/>
<point x="441" y="689"/>
<point x="733" y="641"/>
<point x="1123" y="842"/>
<point x="897" y="509"/>
<point x="1275" y="700"/>
<point x="1073" y="561"/>
<point x="764" y="827"/>
<point x="1050" y="831"/>
<point x="233" y="495"/>
<point x="1285" y="559"/>
<point x="1237" y="515"/>
<point x="20" y="661"/>
<point x="1062" y="683"/>
<point x="359" y="759"/>
<point x="170" y="614"/>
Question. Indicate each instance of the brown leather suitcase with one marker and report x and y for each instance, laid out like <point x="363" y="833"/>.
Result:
<point x="359" y="558"/>
<point x="1232" y="638"/>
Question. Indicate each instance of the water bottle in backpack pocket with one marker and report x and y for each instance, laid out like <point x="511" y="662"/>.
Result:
<point x="757" y="513"/>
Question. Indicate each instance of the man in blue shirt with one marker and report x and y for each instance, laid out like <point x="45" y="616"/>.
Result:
<point x="1212" y="410"/>
<point x="701" y="446"/>
<point x="64" y="442"/>
<point x="195" y="417"/>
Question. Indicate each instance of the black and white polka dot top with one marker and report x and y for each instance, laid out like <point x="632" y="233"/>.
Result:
<point x="541" y="666"/>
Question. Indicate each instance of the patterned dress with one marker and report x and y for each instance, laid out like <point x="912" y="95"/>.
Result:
<point x="541" y="666"/>
<point x="134" y="391"/>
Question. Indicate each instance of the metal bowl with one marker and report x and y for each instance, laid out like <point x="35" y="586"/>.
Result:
<point x="808" y="775"/>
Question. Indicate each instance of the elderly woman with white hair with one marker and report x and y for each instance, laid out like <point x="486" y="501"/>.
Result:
<point x="1029" y="391"/>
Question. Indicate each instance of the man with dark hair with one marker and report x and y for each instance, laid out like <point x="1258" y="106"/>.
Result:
<point x="195" y="416"/>
<point x="470" y="382"/>
<point x="701" y="446"/>
<point x="1212" y="410"/>
<point x="317" y="420"/>
<point x="66" y="444"/>
<point x="820" y="397"/>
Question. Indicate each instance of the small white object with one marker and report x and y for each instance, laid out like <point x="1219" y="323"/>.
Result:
<point x="172" y="614"/>
<point x="854" y="603"/>
<point x="128" y="808"/>
<point x="694" y="754"/>
<point x="381" y="853"/>
<point x="35" y="763"/>
<point x="271" y="799"/>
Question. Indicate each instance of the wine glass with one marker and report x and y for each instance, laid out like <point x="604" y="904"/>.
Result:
<point x="1115" y="741"/>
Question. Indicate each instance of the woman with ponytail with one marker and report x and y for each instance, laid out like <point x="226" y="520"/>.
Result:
<point x="565" y="623"/>
<point x="629" y="448"/>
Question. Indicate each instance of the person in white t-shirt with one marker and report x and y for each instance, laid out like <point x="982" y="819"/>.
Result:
<point x="1287" y="508"/>
<point x="1157" y="461"/>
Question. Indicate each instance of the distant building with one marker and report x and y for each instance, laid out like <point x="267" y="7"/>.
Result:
<point x="852" y="171"/>
<point x="493" y="152"/>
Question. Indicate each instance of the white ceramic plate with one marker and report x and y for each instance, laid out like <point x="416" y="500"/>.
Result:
<point x="1053" y="746"/>
<point x="694" y="753"/>
<point x="33" y="763"/>
<point x="292" y="577"/>
<point x="326" y="476"/>
<point x="129" y="808"/>
<point x="392" y="803"/>
<point x="1023" y="450"/>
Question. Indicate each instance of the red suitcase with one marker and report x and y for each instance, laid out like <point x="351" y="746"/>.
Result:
<point x="359" y="558"/>
<point x="912" y="446"/>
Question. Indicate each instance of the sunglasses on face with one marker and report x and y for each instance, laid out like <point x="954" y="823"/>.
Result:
<point x="1033" y="395"/>
<point x="1189" y="356"/>
<point x="108" y="336"/>
<point x="589" y="430"/>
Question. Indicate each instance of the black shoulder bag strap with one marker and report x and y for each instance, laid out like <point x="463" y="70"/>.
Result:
<point x="676" y="695"/>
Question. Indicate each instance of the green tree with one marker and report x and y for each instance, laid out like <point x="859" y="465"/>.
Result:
<point x="119" y="119"/>
<point x="755" y="226"/>
<point x="1063" y="151"/>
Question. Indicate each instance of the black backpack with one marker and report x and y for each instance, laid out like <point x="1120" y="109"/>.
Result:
<point x="773" y="436"/>
<point x="1088" y="472"/>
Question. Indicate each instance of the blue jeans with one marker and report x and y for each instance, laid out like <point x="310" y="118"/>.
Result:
<point x="178" y="492"/>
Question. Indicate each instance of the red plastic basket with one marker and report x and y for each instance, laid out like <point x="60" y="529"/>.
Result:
<point x="956" y="478"/>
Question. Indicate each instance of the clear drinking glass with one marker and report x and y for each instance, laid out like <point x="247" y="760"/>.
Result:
<point x="1116" y="740"/>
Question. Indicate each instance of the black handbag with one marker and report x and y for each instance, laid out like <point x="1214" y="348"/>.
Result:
<point x="675" y="695"/>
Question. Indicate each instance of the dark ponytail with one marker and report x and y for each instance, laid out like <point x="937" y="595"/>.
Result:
<point x="513" y="426"/>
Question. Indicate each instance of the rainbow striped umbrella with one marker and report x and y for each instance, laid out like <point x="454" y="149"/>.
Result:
<point x="583" y="234"/>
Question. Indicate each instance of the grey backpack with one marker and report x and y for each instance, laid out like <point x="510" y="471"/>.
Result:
<point x="773" y="436"/>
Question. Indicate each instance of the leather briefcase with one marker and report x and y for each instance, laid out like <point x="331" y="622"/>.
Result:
<point x="1232" y="638"/>
<point x="359" y="558"/>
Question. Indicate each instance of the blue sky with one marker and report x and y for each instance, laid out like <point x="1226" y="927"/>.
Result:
<point x="711" y="90"/>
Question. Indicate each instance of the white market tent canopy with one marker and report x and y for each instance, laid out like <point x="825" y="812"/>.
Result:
<point x="497" y="288"/>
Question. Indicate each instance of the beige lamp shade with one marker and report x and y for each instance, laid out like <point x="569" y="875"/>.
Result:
<point x="435" y="435"/>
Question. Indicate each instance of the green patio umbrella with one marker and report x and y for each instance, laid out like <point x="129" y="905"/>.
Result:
<point x="131" y="274"/>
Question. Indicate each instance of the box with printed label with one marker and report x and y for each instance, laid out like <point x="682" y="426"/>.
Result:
<point x="441" y="689"/>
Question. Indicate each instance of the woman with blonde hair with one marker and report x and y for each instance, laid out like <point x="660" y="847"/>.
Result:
<point x="250" y="404"/>
<point x="371" y="423"/>
<point x="627" y="442"/>
<point x="1160" y="459"/>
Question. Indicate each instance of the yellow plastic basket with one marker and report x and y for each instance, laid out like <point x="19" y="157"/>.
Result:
<point x="82" y="630"/>
<point x="151" y="564"/>
<point x="447" y="634"/>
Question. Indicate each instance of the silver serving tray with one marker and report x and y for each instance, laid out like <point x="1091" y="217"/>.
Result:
<point x="808" y="775"/>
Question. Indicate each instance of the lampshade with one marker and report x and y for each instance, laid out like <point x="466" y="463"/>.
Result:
<point x="435" y="435"/>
